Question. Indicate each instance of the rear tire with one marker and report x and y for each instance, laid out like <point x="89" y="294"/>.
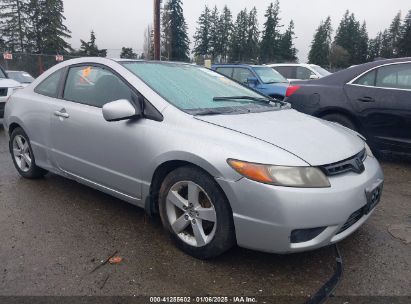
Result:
<point x="22" y="155"/>
<point x="196" y="213"/>
<point x="342" y="120"/>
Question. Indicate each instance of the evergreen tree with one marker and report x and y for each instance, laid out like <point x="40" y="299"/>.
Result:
<point x="90" y="48"/>
<point x="395" y="34"/>
<point x="239" y="37"/>
<point x="166" y="32"/>
<point x="225" y="33"/>
<point x="361" y="47"/>
<point x="404" y="43"/>
<point x="202" y="34"/>
<point x="14" y="24"/>
<point x="35" y="30"/>
<point x="253" y="35"/>
<point x="386" y="47"/>
<point x="287" y="50"/>
<point x="339" y="57"/>
<point x="374" y="47"/>
<point x="321" y="44"/>
<point x="180" y="44"/>
<point x="128" y="53"/>
<point x="269" y="49"/>
<point x="214" y="29"/>
<point x="351" y="38"/>
<point x="53" y="30"/>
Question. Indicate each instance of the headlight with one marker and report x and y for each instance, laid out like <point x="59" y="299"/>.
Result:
<point x="299" y="177"/>
<point x="368" y="149"/>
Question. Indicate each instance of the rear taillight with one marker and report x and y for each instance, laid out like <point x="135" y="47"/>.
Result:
<point x="291" y="90"/>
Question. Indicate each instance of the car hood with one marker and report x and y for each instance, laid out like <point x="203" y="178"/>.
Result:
<point x="316" y="141"/>
<point x="9" y="83"/>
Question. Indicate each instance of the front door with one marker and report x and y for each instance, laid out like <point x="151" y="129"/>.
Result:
<point x="84" y="144"/>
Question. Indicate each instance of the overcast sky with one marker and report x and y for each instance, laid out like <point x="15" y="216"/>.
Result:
<point x="119" y="23"/>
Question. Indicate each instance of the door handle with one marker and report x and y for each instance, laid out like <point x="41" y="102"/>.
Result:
<point x="366" y="99"/>
<point x="61" y="114"/>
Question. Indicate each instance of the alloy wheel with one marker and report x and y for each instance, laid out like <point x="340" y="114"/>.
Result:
<point x="191" y="213"/>
<point x="21" y="153"/>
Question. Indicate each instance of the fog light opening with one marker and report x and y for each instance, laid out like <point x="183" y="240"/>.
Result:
<point x="305" y="235"/>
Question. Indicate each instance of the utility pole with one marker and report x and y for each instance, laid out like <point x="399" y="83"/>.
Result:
<point x="157" y="29"/>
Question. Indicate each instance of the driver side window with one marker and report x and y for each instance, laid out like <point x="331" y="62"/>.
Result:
<point x="95" y="86"/>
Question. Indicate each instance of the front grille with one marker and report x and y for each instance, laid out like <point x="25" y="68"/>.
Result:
<point x="354" y="164"/>
<point x="355" y="217"/>
<point x="3" y="91"/>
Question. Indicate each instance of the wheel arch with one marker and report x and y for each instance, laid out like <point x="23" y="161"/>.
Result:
<point x="339" y="111"/>
<point x="13" y="126"/>
<point x="167" y="166"/>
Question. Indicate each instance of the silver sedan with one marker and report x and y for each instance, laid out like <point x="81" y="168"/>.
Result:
<point x="220" y="163"/>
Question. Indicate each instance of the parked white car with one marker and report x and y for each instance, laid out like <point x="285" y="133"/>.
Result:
<point x="300" y="71"/>
<point x="7" y="86"/>
<point x="22" y="77"/>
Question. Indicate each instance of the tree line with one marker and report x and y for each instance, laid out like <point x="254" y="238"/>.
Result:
<point x="222" y="39"/>
<point x="37" y="27"/>
<point x="352" y="45"/>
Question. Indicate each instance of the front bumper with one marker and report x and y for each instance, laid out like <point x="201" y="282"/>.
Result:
<point x="265" y="215"/>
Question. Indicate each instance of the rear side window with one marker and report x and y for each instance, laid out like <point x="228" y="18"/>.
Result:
<point x="49" y="86"/>
<point x="287" y="71"/>
<point x="225" y="71"/>
<point x="95" y="86"/>
<point x="241" y="75"/>
<point x="396" y="76"/>
<point x="367" y="80"/>
<point x="303" y="73"/>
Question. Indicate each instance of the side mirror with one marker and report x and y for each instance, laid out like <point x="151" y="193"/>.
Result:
<point x="120" y="109"/>
<point x="312" y="77"/>
<point x="252" y="81"/>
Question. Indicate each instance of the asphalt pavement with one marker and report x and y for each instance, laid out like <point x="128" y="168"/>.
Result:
<point x="54" y="232"/>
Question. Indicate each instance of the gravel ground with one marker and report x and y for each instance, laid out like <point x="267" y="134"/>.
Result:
<point x="54" y="232"/>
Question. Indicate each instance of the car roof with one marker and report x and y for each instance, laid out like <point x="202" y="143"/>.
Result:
<point x="349" y="74"/>
<point x="291" y="64"/>
<point x="237" y="65"/>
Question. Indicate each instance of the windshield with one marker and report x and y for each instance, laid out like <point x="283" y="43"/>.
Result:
<point x="198" y="90"/>
<point x="2" y="75"/>
<point x="269" y="75"/>
<point x="320" y="70"/>
<point x="21" y="77"/>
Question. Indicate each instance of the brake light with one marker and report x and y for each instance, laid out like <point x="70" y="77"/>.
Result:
<point x="291" y="90"/>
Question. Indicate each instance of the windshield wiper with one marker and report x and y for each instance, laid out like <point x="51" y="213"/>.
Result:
<point x="210" y="112"/>
<point x="266" y="100"/>
<point x="241" y="98"/>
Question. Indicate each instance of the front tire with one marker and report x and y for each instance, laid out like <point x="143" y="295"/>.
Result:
<point x="23" y="157"/>
<point x="196" y="213"/>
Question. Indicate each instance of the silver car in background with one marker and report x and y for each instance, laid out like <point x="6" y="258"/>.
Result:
<point x="22" y="77"/>
<point x="221" y="164"/>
